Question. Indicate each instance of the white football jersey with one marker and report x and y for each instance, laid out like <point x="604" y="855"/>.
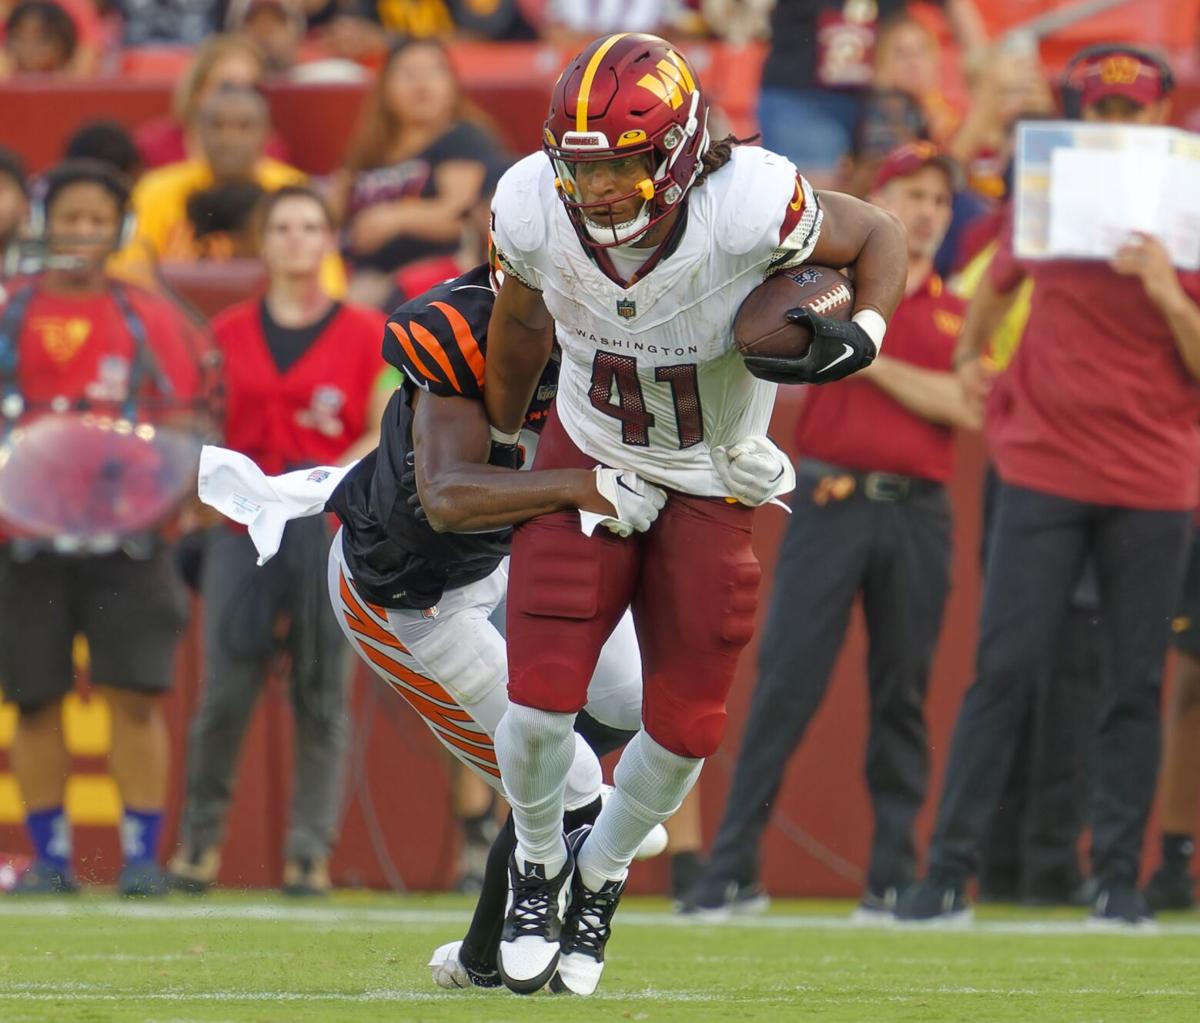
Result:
<point x="650" y="379"/>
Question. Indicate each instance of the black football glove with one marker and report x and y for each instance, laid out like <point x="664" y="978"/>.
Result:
<point x="839" y="348"/>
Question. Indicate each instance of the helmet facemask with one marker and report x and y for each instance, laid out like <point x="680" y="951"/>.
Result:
<point x="673" y="159"/>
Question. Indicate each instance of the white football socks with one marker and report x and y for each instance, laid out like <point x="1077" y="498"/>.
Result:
<point x="585" y="779"/>
<point x="535" y="750"/>
<point x="650" y="783"/>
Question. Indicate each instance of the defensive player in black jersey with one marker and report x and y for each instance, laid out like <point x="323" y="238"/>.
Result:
<point x="419" y="567"/>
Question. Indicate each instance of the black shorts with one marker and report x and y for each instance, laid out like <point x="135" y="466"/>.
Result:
<point x="1185" y="627"/>
<point x="132" y="613"/>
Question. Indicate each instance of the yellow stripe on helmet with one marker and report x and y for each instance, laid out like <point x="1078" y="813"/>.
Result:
<point x="589" y="74"/>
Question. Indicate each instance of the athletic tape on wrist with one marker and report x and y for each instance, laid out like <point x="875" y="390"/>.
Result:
<point x="874" y="324"/>
<point x="500" y="437"/>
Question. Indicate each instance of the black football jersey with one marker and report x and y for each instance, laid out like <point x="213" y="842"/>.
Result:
<point x="439" y="341"/>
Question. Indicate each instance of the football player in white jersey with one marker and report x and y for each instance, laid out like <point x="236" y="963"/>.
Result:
<point x="635" y="239"/>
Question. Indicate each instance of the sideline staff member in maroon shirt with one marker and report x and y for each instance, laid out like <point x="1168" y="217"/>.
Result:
<point x="1095" y="433"/>
<point x="870" y="516"/>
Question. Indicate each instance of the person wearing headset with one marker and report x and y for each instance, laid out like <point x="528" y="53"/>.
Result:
<point x="74" y="338"/>
<point x="1092" y="429"/>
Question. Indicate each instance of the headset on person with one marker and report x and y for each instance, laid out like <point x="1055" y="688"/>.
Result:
<point x="73" y="172"/>
<point x="1072" y="85"/>
<point x="12" y="402"/>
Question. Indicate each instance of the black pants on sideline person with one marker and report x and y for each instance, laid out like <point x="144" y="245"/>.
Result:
<point x="1031" y="849"/>
<point x="243" y="604"/>
<point x="1038" y="547"/>
<point x="888" y="539"/>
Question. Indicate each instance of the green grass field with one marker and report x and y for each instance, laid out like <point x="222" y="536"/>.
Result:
<point x="362" y="957"/>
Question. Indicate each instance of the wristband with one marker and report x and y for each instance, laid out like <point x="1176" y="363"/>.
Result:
<point x="500" y="437"/>
<point x="874" y="325"/>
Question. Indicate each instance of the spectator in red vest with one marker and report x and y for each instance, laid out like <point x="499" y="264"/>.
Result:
<point x="299" y="370"/>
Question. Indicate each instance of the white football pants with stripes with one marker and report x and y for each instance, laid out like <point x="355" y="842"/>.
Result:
<point x="450" y="664"/>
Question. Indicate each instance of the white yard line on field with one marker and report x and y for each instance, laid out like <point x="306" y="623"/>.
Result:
<point x="368" y="916"/>
<point x="82" y="993"/>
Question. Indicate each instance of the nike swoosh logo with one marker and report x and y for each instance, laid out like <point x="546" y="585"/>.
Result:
<point x="625" y="486"/>
<point x="477" y="287"/>
<point x="849" y="350"/>
<point x="424" y="384"/>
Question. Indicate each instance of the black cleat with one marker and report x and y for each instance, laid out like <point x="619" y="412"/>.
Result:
<point x="43" y="878"/>
<point x="533" y="922"/>
<point x="877" y="907"/>
<point x="936" y="900"/>
<point x="1120" y="904"/>
<point x="143" y="881"/>
<point x="1171" y="888"/>
<point x="716" y="899"/>
<point x="586" y="929"/>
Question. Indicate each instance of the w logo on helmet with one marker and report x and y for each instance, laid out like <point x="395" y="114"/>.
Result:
<point x="671" y="82"/>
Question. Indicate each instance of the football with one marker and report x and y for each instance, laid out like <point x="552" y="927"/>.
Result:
<point x="760" y="327"/>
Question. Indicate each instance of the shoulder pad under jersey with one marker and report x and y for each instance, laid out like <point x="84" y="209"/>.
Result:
<point x="439" y="338"/>
<point x="752" y="194"/>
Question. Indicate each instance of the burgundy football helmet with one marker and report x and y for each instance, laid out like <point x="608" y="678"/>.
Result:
<point x="625" y="95"/>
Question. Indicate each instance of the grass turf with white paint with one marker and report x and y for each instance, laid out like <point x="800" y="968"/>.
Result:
<point x="360" y="956"/>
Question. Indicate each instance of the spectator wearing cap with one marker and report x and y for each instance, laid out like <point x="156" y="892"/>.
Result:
<point x="870" y="519"/>
<point x="1094" y="430"/>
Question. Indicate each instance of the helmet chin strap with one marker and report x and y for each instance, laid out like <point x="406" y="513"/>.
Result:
<point x="622" y="232"/>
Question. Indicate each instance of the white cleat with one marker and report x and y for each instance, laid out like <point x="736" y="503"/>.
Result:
<point x="451" y="973"/>
<point x="533" y="920"/>
<point x="586" y="930"/>
<point x="447" y="969"/>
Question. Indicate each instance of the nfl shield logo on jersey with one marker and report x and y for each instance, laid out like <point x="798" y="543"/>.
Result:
<point x="626" y="309"/>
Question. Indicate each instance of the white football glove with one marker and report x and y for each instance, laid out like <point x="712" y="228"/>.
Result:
<point x="754" y="470"/>
<point x="636" y="502"/>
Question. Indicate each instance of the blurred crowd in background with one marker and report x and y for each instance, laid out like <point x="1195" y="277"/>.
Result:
<point x="846" y="86"/>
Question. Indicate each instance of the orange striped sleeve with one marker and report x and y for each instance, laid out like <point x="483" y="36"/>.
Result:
<point x="431" y="345"/>
<point x="465" y="339"/>
<point x="410" y="350"/>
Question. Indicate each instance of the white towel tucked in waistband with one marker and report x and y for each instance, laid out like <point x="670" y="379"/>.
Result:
<point x="240" y="490"/>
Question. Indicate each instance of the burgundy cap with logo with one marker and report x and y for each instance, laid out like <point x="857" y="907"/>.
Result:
<point x="1121" y="73"/>
<point x="914" y="156"/>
